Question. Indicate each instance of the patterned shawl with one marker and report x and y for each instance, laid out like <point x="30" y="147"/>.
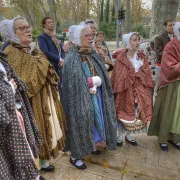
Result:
<point x="39" y="75"/>
<point x="170" y="65"/>
<point x="128" y="86"/>
<point x="54" y="39"/>
<point x="13" y="145"/>
<point x="79" y="107"/>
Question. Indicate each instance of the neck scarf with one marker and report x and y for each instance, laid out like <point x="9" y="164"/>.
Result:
<point x="52" y="34"/>
<point x="170" y="36"/>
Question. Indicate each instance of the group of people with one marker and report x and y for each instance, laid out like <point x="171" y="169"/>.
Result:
<point x="62" y="98"/>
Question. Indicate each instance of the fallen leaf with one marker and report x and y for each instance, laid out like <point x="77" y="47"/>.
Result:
<point x="105" y="164"/>
<point x="124" y="171"/>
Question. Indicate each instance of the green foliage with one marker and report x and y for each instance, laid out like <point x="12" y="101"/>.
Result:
<point x="109" y="30"/>
<point x="59" y="27"/>
<point x="102" y="11"/>
<point x="143" y="30"/>
<point x="36" y="33"/>
<point x="107" y="11"/>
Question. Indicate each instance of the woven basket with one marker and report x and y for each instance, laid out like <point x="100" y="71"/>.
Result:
<point x="135" y="125"/>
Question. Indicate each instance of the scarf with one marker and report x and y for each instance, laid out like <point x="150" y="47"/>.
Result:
<point x="52" y="34"/>
<point x="78" y="104"/>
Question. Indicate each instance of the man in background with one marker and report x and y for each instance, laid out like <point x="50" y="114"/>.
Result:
<point x="52" y="47"/>
<point x="160" y="43"/>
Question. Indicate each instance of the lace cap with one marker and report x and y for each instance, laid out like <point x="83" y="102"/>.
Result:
<point x="7" y="29"/>
<point x="75" y="34"/>
<point x="126" y="39"/>
<point x="177" y="30"/>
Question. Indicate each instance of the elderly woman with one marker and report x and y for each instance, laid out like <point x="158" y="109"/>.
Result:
<point x="20" y="138"/>
<point x="88" y="100"/>
<point x="34" y="69"/>
<point x="166" y="118"/>
<point x="133" y="88"/>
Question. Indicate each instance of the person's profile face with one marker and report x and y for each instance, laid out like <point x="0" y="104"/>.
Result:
<point x="134" y="42"/>
<point x="169" y="27"/>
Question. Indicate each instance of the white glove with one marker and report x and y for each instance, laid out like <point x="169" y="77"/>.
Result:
<point x="96" y="81"/>
<point x="13" y="85"/>
<point x="107" y="66"/>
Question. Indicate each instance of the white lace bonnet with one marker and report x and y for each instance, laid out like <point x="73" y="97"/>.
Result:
<point x="7" y="29"/>
<point x="75" y="34"/>
<point x="126" y="39"/>
<point x="177" y="30"/>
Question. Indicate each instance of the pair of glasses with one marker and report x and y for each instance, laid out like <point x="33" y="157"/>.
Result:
<point x="88" y="36"/>
<point x="24" y="28"/>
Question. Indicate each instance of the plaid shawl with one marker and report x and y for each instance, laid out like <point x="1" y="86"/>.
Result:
<point x="129" y="86"/>
<point x="170" y="65"/>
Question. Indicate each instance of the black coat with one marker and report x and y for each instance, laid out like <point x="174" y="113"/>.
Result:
<point x="160" y="43"/>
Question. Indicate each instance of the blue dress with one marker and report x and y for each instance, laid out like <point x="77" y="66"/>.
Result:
<point x="99" y="128"/>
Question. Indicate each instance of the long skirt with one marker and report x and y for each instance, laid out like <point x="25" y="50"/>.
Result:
<point x="165" y="123"/>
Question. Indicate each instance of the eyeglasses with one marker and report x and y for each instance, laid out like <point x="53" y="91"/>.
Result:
<point x="88" y="36"/>
<point x="24" y="28"/>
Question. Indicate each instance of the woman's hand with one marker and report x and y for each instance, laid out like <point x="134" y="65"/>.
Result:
<point x="61" y="62"/>
<point x="13" y="83"/>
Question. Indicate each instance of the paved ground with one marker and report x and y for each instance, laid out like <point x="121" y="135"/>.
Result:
<point x="143" y="162"/>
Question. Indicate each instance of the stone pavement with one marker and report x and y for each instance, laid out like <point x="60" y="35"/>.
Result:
<point x="143" y="162"/>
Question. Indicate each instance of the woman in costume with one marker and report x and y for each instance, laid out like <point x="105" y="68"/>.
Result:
<point x="133" y="89"/>
<point x="165" y="123"/>
<point x="20" y="138"/>
<point x="102" y="50"/>
<point x="34" y="69"/>
<point x="88" y="99"/>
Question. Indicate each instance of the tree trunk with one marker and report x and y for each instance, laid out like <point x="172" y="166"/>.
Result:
<point x="52" y="8"/>
<point x="115" y="2"/>
<point x="162" y="10"/>
<point x="113" y="14"/>
<point x="107" y="11"/>
<point x="26" y="7"/>
<point x="127" y="25"/>
<point x="2" y="3"/>
<point x="102" y="11"/>
<point x="88" y="8"/>
<point x="42" y="7"/>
